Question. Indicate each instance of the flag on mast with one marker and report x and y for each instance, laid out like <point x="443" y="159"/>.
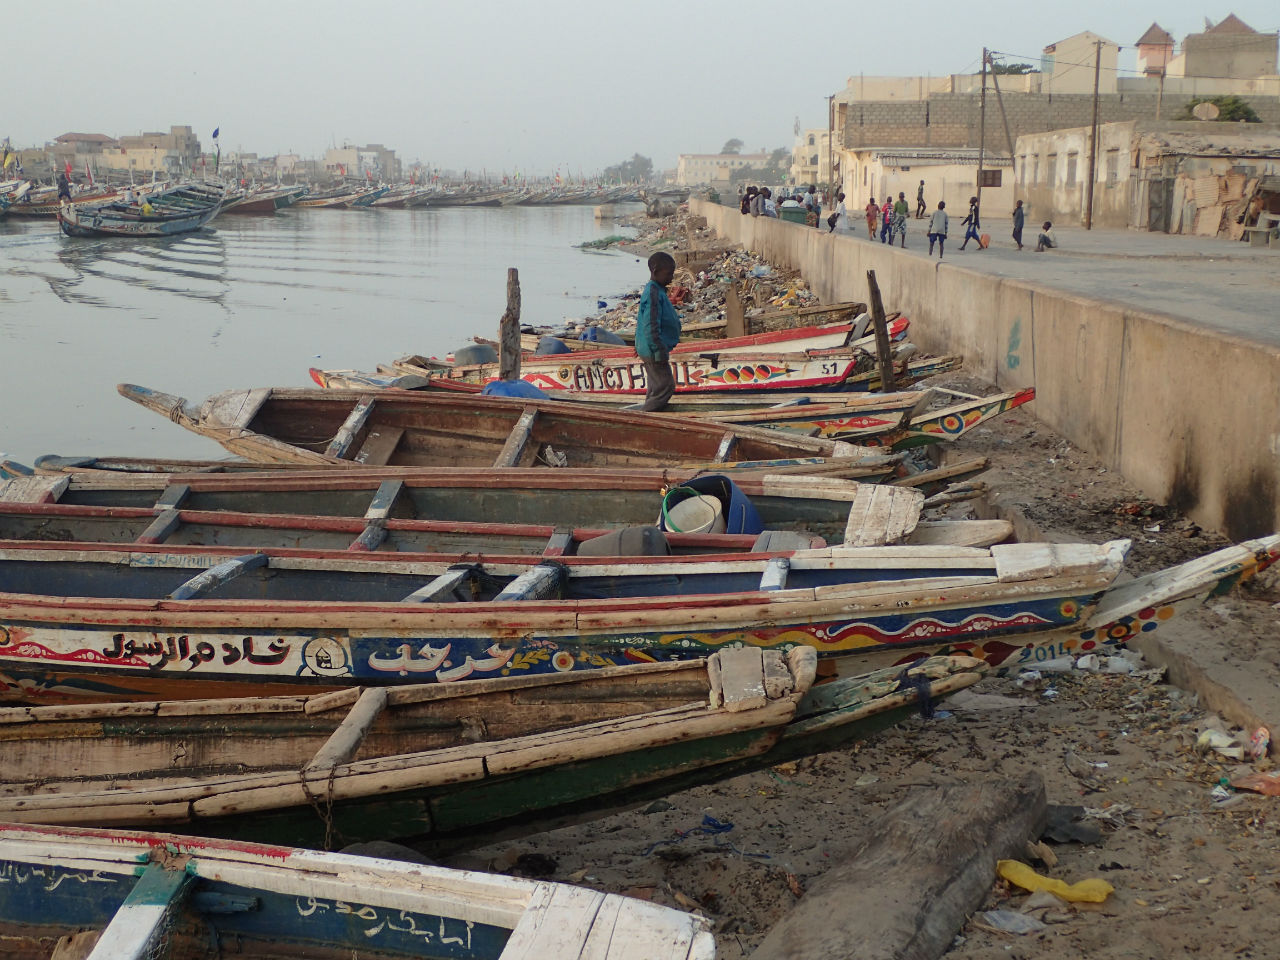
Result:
<point x="217" y="156"/>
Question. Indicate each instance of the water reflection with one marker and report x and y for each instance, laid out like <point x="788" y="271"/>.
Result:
<point x="256" y="301"/>
<point x="192" y="266"/>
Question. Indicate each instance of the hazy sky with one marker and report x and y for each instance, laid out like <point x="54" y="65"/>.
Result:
<point x="476" y="83"/>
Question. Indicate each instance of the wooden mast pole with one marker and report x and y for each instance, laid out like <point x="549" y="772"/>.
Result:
<point x="509" y="330"/>
<point x="883" y="350"/>
<point x="1093" y="137"/>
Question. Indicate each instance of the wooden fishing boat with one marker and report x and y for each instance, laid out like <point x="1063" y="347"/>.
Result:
<point x="47" y="204"/>
<point x="406" y="428"/>
<point x="66" y="523"/>
<point x="337" y="197"/>
<point x="179" y="209"/>
<point x="261" y="201"/>
<point x="288" y="196"/>
<point x="694" y="372"/>
<point x="845" y="335"/>
<point x="366" y="198"/>
<point x="857" y="514"/>
<point x="137" y="621"/>
<point x="445" y="764"/>
<point x="121" y="895"/>
<point x="900" y="420"/>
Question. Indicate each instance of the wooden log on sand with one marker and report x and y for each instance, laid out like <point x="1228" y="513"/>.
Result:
<point x="922" y="869"/>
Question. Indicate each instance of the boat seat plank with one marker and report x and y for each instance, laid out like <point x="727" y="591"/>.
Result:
<point x="445" y="586"/>
<point x="236" y="409"/>
<point x="557" y="923"/>
<point x="742" y="678"/>
<point x="346" y="435"/>
<point x="880" y="515"/>
<point x="775" y="574"/>
<point x="1032" y="561"/>
<point x="345" y="741"/>
<point x="207" y="580"/>
<point x="139" y="924"/>
<point x="513" y="451"/>
<point x="161" y="528"/>
<point x="379" y="445"/>
<point x="541" y="583"/>
<point x="778" y="681"/>
<point x="371" y="537"/>
<point x="727" y="443"/>
<point x="172" y="497"/>
<point x="33" y="489"/>
<point x="560" y="542"/>
<point x="384" y="499"/>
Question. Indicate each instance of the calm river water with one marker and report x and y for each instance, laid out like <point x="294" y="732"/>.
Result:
<point x="255" y="301"/>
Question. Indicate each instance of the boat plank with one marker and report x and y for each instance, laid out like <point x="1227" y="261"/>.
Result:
<point x="517" y="443"/>
<point x="346" y="435"/>
<point x="161" y="528"/>
<point x="379" y="445"/>
<point x="345" y="741"/>
<point x="742" y="678"/>
<point x="139" y="923"/>
<point x="34" y="489"/>
<point x="207" y="580"/>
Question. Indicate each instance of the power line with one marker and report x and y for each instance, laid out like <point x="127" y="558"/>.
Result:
<point x="1128" y="70"/>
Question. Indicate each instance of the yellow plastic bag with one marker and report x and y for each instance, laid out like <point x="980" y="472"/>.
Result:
<point x="1086" y="891"/>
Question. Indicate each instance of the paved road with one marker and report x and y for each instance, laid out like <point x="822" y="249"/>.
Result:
<point x="1219" y="284"/>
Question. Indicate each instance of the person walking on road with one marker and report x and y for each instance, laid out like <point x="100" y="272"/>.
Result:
<point x="938" y="224"/>
<point x="971" y="224"/>
<point x="900" y="210"/>
<point x="920" y="207"/>
<point x="873" y="215"/>
<point x="657" y="332"/>
<point x="840" y="217"/>
<point x="1019" y="221"/>
<point x="886" y="218"/>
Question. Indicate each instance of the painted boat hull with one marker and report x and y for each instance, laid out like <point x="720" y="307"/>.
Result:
<point x="582" y="747"/>
<point x="126" y="644"/>
<point x="269" y="635"/>
<point x="738" y="373"/>
<point x="271" y="901"/>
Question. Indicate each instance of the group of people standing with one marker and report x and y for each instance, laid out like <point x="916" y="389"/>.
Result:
<point x="887" y="221"/>
<point x="889" y="218"/>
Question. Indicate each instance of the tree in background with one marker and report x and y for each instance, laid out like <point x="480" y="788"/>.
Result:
<point x="1017" y="69"/>
<point x="732" y="146"/>
<point x="630" y="171"/>
<point x="775" y="171"/>
<point x="1230" y="109"/>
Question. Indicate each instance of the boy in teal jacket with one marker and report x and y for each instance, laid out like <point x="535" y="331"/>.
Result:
<point x="657" y="332"/>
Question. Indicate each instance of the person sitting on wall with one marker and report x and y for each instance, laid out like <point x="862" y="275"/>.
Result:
<point x="1046" y="240"/>
<point x="769" y="209"/>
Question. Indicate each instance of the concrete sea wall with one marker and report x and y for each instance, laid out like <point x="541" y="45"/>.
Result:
<point x="1190" y="416"/>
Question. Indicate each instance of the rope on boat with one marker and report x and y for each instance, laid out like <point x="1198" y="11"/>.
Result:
<point x="923" y="690"/>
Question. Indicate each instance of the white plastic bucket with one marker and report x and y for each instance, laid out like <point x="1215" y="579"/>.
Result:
<point x="700" y="514"/>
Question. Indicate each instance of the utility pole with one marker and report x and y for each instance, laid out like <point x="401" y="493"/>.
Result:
<point x="1093" y="137"/>
<point x="1004" y="119"/>
<point x="982" y="125"/>
<point x="831" y="172"/>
